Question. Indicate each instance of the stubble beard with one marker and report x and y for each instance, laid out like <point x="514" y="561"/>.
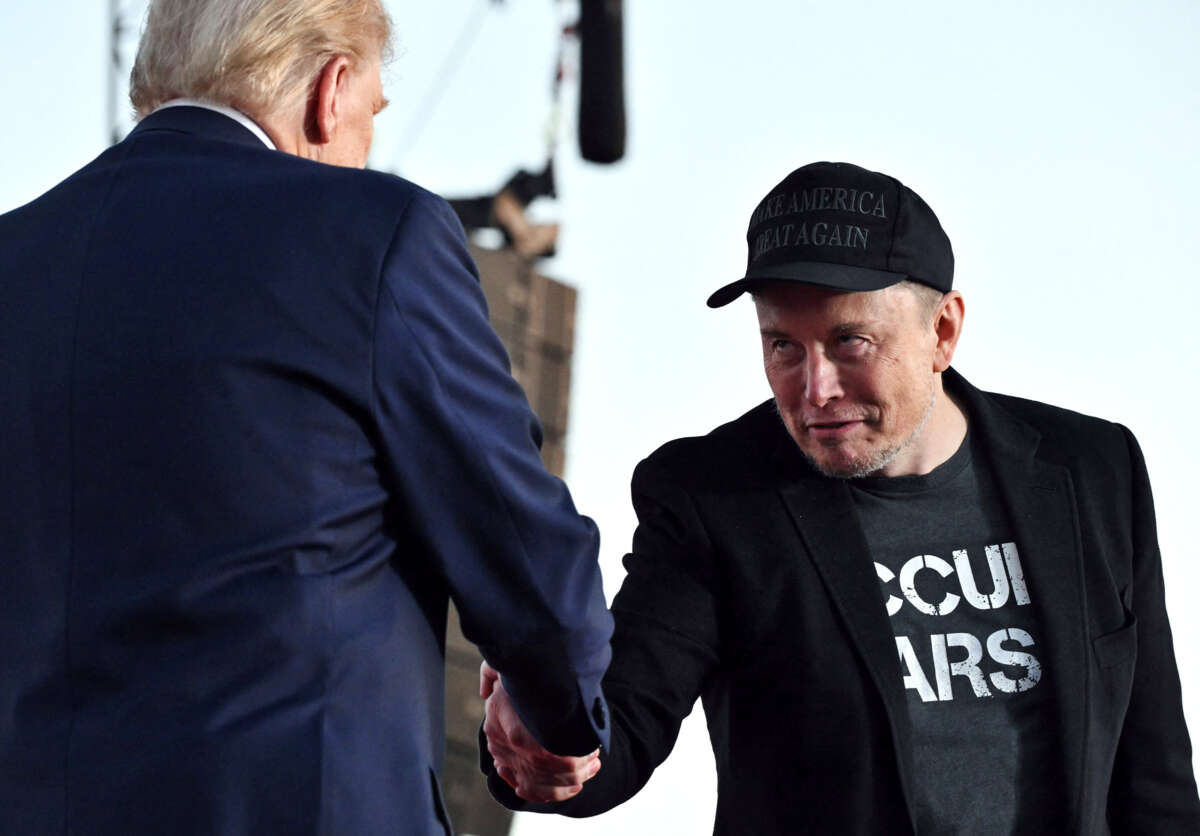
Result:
<point x="875" y="460"/>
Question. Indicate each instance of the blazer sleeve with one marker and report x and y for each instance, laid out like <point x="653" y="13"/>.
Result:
<point x="460" y="448"/>
<point x="665" y="645"/>
<point x="1153" y="790"/>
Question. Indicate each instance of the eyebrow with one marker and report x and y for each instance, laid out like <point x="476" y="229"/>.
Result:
<point x="852" y="327"/>
<point x="837" y="330"/>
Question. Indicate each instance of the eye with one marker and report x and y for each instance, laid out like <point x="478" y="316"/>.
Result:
<point x="850" y="344"/>
<point x="781" y="349"/>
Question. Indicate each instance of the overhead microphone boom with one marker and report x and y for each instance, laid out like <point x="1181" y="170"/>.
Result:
<point x="601" y="81"/>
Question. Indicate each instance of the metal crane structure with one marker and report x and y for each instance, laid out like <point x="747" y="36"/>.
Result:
<point x="123" y="16"/>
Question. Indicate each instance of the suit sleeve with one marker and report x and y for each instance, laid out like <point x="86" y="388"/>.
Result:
<point x="1153" y="790"/>
<point x="460" y="445"/>
<point x="665" y="645"/>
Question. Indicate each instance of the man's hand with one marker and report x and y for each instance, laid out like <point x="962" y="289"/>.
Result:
<point x="533" y="773"/>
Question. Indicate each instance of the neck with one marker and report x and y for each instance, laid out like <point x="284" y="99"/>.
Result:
<point x="285" y="139"/>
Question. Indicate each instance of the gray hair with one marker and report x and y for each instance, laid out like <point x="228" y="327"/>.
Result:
<point x="259" y="56"/>
<point x="928" y="298"/>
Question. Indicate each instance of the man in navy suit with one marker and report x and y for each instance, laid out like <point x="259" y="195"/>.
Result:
<point x="257" y="432"/>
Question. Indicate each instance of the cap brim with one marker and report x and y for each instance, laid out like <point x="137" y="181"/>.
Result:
<point x="837" y="276"/>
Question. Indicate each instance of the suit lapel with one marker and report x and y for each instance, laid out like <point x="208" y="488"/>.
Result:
<point x="825" y="518"/>
<point x="823" y="512"/>
<point x="1039" y="497"/>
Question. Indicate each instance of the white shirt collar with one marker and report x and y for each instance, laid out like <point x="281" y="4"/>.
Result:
<point x="236" y="115"/>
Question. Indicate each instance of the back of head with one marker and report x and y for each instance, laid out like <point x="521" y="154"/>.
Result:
<point x="259" y="56"/>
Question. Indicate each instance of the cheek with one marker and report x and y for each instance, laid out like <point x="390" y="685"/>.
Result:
<point x="784" y="381"/>
<point x="909" y="399"/>
<point x="892" y="379"/>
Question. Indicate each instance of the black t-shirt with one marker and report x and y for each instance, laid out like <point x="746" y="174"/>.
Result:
<point x="967" y="633"/>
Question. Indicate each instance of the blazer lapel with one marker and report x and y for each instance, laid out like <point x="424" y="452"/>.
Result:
<point x="1039" y="497"/>
<point x="823" y="512"/>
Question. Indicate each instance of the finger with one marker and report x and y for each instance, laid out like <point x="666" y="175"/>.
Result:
<point x="500" y="752"/>
<point x="529" y="775"/>
<point x="581" y="775"/>
<point x="500" y="722"/>
<point x="533" y="757"/>
<point x="543" y="761"/>
<point x="492" y="726"/>
<point x="544" y="781"/>
<point x="547" y="782"/>
<point x="557" y="773"/>
<point x="487" y="679"/>
<point x="547" y="795"/>
<point x="541" y="756"/>
<point x="568" y="778"/>
<point x="509" y="777"/>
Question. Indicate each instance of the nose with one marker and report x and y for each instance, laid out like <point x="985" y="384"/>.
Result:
<point x="821" y="380"/>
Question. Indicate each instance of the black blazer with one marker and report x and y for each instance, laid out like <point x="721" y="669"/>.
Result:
<point x="257" y="431"/>
<point x="751" y="586"/>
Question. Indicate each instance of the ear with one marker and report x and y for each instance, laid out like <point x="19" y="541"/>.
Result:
<point x="947" y="326"/>
<point x="325" y="104"/>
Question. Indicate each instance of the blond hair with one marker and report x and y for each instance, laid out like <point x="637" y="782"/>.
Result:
<point x="260" y="56"/>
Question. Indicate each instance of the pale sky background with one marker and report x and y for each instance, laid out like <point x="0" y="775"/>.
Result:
<point x="1057" y="142"/>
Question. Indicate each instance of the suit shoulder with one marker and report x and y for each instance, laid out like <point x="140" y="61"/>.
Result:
<point x="1049" y="418"/>
<point x="373" y="212"/>
<point x="1071" y="437"/>
<point x="361" y="190"/>
<point x="382" y="186"/>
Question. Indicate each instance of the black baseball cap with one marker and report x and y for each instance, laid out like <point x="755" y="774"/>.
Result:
<point x="841" y="226"/>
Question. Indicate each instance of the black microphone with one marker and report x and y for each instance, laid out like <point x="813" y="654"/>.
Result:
<point x="601" y="81"/>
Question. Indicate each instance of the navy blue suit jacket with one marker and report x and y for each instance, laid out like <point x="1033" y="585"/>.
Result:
<point x="257" y="431"/>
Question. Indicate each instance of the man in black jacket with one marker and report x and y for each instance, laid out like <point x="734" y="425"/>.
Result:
<point x="907" y="605"/>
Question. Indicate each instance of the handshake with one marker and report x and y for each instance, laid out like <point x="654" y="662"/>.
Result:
<point x="534" y="773"/>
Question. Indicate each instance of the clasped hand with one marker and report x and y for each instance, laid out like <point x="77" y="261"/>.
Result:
<point x="534" y="773"/>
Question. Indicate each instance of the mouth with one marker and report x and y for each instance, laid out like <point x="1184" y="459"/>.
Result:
<point x="831" y="430"/>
